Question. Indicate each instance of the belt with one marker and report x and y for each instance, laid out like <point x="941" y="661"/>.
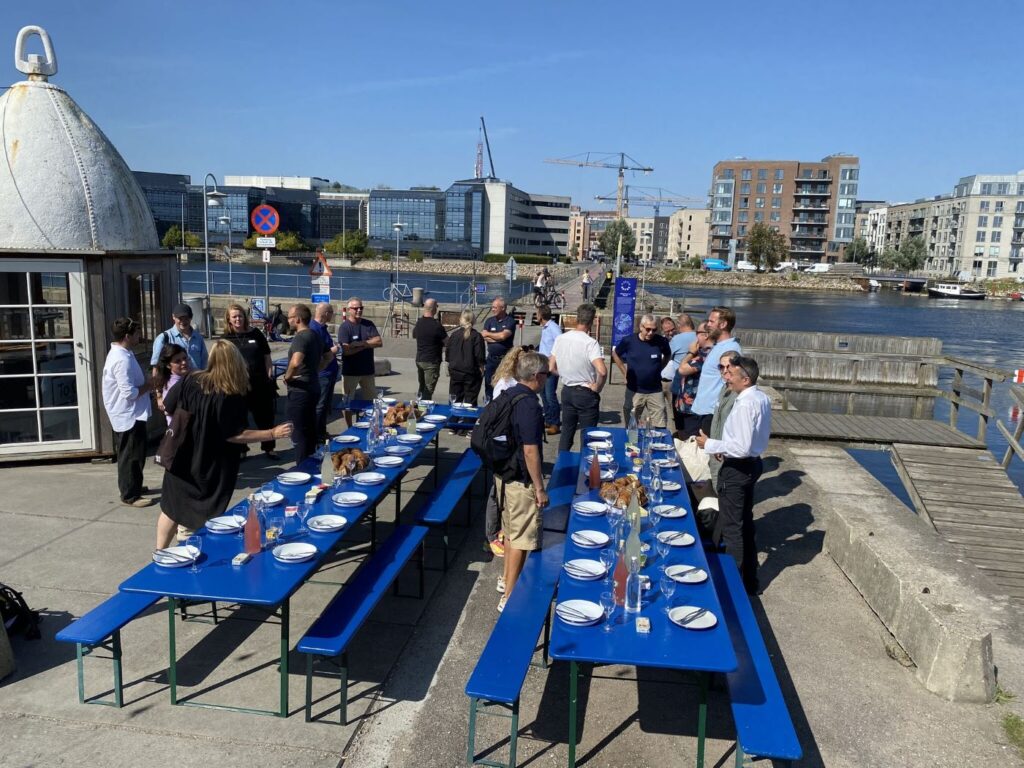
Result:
<point x="744" y="460"/>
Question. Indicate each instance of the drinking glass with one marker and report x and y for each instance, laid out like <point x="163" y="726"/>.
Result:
<point x="275" y="527"/>
<point x="197" y="542"/>
<point x="305" y="508"/>
<point x="615" y="515"/>
<point x="608" y="558"/>
<point x="652" y="512"/>
<point x="663" y="548"/>
<point x="608" y="606"/>
<point x="266" y="491"/>
<point x="668" y="587"/>
<point x="656" y="495"/>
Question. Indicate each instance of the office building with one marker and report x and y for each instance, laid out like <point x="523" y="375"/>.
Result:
<point x="342" y="211"/>
<point x="167" y="195"/>
<point x="306" y="183"/>
<point x="811" y="203"/>
<point x="688" y="235"/>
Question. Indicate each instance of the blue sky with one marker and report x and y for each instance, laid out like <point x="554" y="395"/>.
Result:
<point x="391" y="92"/>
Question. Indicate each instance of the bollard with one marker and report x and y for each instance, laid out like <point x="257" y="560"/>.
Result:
<point x="417" y="297"/>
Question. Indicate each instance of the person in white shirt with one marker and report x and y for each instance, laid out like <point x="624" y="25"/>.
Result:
<point x="744" y="439"/>
<point x="579" y="362"/>
<point x="126" y="399"/>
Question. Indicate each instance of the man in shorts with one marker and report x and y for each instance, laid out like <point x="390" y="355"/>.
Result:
<point x="358" y="338"/>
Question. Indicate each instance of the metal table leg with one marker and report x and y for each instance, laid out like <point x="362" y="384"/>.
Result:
<point x="172" y="667"/>
<point x="702" y="717"/>
<point x="573" y="679"/>
<point x="285" y="621"/>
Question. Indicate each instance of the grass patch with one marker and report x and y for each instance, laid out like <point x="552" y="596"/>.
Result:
<point x="1013" y="726"/>
<point x="1004" y="696"/>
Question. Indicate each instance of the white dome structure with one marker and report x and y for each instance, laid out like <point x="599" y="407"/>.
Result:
<point x="63" y="186"/>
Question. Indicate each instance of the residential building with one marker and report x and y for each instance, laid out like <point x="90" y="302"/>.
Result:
<point x="862" y="210"/>
<point x="688" y="235"/>
<point x="585" y="229"/>
<point x="811" y="203"/>
<point x="874" y="231"/>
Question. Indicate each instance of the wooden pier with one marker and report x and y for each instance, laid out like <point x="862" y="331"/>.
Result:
<point x="868" y="430"/>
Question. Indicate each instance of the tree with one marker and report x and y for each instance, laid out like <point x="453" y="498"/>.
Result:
<point x="610" y="239"/>
<point x="889" y="259"/>
<point x="912" y="254"/>
<point x="286" y="241"/>
<point x="350" y="241"/>
<point x="172" y="238"/>
<point x="859" y="252"/>
<point x="574" y="251"/>
<point x="766" y="247"/>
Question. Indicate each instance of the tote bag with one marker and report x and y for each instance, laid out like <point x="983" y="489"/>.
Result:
<point x="695" y="461"/>
<point x="178" y="435"/>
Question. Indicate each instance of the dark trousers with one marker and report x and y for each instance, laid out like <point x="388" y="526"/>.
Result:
<point x="301" y="412"/>
<point x="325" y="403"/>
<point x="586" y="291"/>
<point x="260" y="402"/>
<point x="704" y="425"/>
<point x="131" y="457"/>
<point x="581" y="407"/>
<point x="427" y="373"/>
<point x="688" y="424"/>
<point x="492" y="515"/>
<point x="735" y="526"/>
<point x="490" y="366"/>
<point x="549" y="396"/>
<point x="464" y="387"/>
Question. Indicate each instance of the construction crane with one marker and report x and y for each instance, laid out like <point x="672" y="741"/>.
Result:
<point x="601" y="160"/>
<point x="479" y="153"/>
<point x="652" y="196"/>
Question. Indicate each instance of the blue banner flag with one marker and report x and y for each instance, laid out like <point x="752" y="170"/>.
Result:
<point x="623" y="309"/>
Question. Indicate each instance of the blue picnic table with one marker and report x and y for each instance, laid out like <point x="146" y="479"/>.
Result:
<point x="667" y="645"/>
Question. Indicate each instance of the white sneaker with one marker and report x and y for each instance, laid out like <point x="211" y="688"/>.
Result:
<point x="501" y="604"/>
<point x="501" y="585"/>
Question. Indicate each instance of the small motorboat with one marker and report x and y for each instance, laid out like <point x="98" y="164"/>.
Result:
<point x="874" y="285"/>
<point x="954" y="291"/>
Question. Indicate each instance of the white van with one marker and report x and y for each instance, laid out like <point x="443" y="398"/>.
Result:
<point x="819" y="269"/>
<point x="746" y="266"/>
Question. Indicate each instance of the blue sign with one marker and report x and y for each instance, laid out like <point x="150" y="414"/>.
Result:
<point x="623" y="309"/>
<point x="481" y="289"/>
<point x="323" y="298"/>
<point x="259" y="308"/>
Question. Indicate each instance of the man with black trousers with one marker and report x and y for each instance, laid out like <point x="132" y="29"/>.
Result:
<point x="578" y="360"/>
<point x="744" y="439"/>
<point x="306" y="356"/>
<point x="499" y="333"/>
<point x="430" y="338"/>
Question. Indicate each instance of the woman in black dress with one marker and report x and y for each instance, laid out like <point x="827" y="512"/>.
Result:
<point x="256" y="353"/>
<point x="199" y="483"/>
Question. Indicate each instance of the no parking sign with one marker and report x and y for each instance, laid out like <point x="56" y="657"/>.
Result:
<point x="265" y="219"/>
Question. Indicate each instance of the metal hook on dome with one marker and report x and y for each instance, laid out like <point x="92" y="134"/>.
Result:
<point x="35" y="66"/>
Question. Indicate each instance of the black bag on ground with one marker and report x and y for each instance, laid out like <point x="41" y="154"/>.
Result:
<point x="17" y="616"/>
<point x="495" y="440"/>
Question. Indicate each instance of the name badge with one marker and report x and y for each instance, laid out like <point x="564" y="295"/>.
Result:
<point x="655" y="356"/>
<point x="252" y="341"/>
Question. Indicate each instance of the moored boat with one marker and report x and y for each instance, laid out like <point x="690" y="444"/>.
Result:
<point x="954" y="291"/>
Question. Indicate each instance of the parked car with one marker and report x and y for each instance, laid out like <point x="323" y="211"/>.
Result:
<point x="716" y="265"/>
<point x="784" y="265"/>
<point x="746" y="266"/>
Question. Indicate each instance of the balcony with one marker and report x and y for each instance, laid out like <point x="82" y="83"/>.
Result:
<point x="809" y="206"/>
<point x="805" y="179"/>
<point x="823" y="191"/>
<point x="805" y="219"/>
<point x="817" y="234"/>
<point x="807" y="249"/>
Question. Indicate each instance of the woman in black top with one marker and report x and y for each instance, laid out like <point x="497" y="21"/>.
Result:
<point x="256" y="354"/>
<point x="199" y="483"/>
<point x="465" y="354"/>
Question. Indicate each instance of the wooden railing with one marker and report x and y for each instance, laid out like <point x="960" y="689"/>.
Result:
<point x="1013" y="438"/>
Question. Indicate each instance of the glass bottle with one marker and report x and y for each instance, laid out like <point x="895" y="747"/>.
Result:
<point x="595" y="471"/>
<point x="410" y="422"/>
<point x="619" y="576"/>
<point x="632" y="436"/>
<point x="633" y="540"/>
<point x="634" y="589"/>
<point x="327" y="466"/>
<point x="253" y="534"/>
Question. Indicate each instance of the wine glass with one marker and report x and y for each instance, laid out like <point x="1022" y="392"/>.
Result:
<point x="608" y="606"/>
<point x="668" y="587"/>
<point x="305" y="508"/>
<point x="267" y="492"/>
<point x="608" y="558"/>
<point x="663" y="548"/>
<point x="654" y="513"/>
<point x="194" y="542"/>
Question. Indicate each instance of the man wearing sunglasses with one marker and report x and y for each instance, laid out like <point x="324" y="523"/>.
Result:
<point x="358" y="338"/>
<point x="641" y="357"/>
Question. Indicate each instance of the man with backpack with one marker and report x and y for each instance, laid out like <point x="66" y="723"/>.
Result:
<point x="508" y="438"/>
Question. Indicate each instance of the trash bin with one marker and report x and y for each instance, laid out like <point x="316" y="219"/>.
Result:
<point x="200" y="314"/>
<point x="417" y="297"/>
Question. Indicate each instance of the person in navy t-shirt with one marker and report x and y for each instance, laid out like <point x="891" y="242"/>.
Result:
<point x="499" y="333"/>
<point x="358" y="338"/>
<point x="640" y="357"/>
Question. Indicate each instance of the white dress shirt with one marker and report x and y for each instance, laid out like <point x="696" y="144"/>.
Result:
<point x="122" y="378"/>
<point x="747" y="429"/>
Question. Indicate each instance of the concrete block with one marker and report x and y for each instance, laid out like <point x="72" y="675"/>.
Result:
<point x="381" y="367"/>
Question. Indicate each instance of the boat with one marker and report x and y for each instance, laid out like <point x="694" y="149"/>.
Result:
<point x="873" y="285"/>
<point x="954" y="291"/>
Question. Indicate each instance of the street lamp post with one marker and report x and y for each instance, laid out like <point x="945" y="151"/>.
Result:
<point x="648" y="237"/>
<point x="211" y="197"/>
<point x="226" y="219"/>
<point x="398" y="225"/>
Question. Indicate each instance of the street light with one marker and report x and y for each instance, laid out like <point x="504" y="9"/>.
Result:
<point x="225" y="219"/>
<point x="648" y="237"/>
<point x="211" y="198"/>
<point x="398" y="242"/>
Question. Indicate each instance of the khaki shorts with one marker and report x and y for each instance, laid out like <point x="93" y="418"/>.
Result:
<point x="367" y="386"/>
<point x="521" y="518"/>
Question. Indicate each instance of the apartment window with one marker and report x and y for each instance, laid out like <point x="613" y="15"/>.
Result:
<point x="776" y="202"/>
<point x="723" y="189"/>
<point x="983" y="205"/>
<point x="759" y="202"/>
<point x="847" y="189"/>
<point x="722" y="216"/>
<point x="846" y="202"/>
<point x="991" y="271"/>
<point x="996" y="237"/>
<point x="997" y="221"/>
<point x="761" y="188"/>
<point x="745" y="174"/>
<point x="1002" y="188"/>
<point x="849" y="174"/>
<point x="983" y="221"/>
<point x="758" y="217"/>
<point x="775" y="216"/>
<point x="778" y="176"/>
<point x="762" y="174"/>
<point x="728" y="173"/>
<point x="979" y="237"/>
<point x="744" y="189"/>
<point x="1020" y="206"/>
<point x="986" y="189"/>
<point x="979" y="250"/>
<point x="723" y="202"/>
<point x="744" y="202"/>
<point x="776" y="189"/>
<point x="741" y="231"/>
<point x="742" y="217"/>
<point x="993" y="250"/>
<point x="999" y="206"/>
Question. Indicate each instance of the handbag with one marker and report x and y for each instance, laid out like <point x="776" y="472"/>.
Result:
<point x="177" y="435"/>
<point x="695" y="460"/>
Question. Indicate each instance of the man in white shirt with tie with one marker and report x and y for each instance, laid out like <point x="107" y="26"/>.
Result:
<point x="744" y="439"/>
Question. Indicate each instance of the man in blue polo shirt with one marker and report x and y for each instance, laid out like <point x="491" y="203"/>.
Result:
<point x="184" y="335"/>
<point x="721" y="322"/>
<point x="499" y="333"/>
<point x="640" y="357"/>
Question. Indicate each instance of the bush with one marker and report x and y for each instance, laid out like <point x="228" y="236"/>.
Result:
<point x="521" y="258"/>
<point x="416" y="256"/>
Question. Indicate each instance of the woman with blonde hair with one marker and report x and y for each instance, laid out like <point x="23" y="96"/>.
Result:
<point x="465" y="354"/>
<point x="256" y="353"/>
<point x="505" y="374"/>
<point x="199" y="483"/>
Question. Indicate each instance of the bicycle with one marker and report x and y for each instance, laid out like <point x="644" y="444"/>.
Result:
<point x="551" y="297"/>
<point x="397" y="292"/>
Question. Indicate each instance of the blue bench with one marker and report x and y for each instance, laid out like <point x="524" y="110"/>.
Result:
<point x="442" y="502"/>
<point x="764" y="728"/>
<point x="498" y="677"/>
<point x="330" y="634"/>
<point x="93" y="630"/>
<point x="561" y="490"/>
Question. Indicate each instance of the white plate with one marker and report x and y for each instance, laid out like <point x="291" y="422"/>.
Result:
<point x="676" y="538"/>
<point x="464" y="406"/>
<point x="590" y="539"/>
<point x="390" y="400"/>
<point x="409" y="438"/>
<point x="686" y="574"/>
<point x="586" y="570"/>
<point x="170" y="561"/>
<point x="670" y="511"/>
<point x="435" y="418"/>
<point x="580" y="613"/>
<point x="671" y="485"/>
<point x="423" y="403"/>
<point x="603" y="445"/>
<point x="346" y="439"/>
<point x="295" y="552"/>
<point x="225" y="524"/>
<point x="294" y="478"/>
<point x="604" y="458"/>
<point x="398" y="450"/>
<point x="598" y="434"/>
<point x="326" y="523"/>
<point x="349" y="499"/>
<point x="388" y="461"/>
<point x="272" y="499"/>
<point x="425" y="426"/>
<point x="369" y="478"/>
<point x="590" y="507"/>
<point x="362" y="425"/>
<point x="665" y="463"/>
<point x="692" y="617"/>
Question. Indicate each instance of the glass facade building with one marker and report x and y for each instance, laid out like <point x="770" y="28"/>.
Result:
<point x="167" y="195"/>
<point x="421" y="213"/>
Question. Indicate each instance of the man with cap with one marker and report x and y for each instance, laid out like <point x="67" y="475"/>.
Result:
<point x="184" y="335"/>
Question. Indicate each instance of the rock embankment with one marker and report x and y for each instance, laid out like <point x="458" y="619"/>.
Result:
<point x="458" y="267"/>
<point x="783" y="280"/>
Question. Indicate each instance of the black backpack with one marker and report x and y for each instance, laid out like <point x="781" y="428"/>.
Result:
<point x="495" y="440"/>
<point x="16" y="615"/>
